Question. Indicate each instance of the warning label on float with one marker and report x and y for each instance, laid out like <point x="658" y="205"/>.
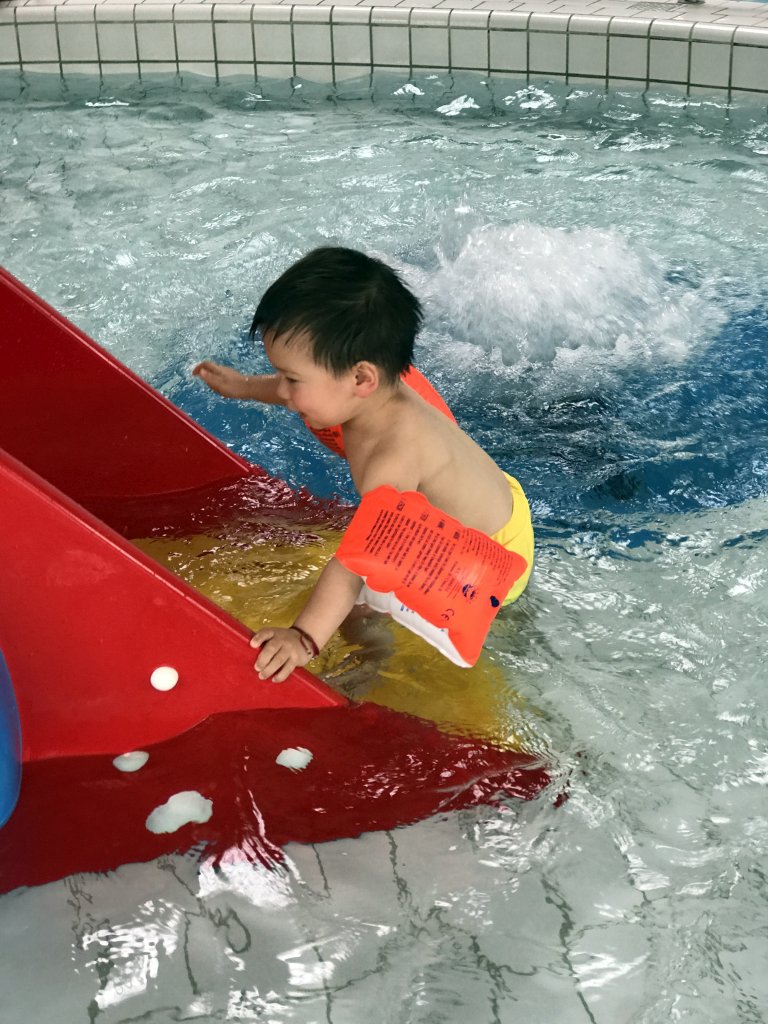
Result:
<point x="453" y="577"/>
<point x="406" y="543"/>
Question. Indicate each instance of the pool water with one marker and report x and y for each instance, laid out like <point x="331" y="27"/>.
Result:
<point x="592" y="268"/>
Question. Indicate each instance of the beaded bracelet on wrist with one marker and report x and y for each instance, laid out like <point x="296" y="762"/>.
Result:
<point x="307" y="642"/>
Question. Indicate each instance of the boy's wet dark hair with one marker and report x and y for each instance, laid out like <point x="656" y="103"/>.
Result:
<point x="354" y="307"/>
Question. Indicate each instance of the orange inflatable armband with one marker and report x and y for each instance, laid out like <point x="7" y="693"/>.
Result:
<point x="441" y="579"/>
<point x="332" y="437"/>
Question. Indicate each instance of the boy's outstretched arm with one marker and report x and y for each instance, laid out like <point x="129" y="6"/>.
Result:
<point x="230" y="383"/>
<point x="333" y="598"/>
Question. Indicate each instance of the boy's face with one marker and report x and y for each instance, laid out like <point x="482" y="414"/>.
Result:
<point x="320" y="397"/>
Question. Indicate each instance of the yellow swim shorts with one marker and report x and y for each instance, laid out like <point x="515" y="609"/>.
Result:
<point x="517" y="535"/>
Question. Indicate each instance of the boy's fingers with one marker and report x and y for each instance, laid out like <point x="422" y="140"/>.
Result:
<point x="271" y="657"/>
<point x="273" y="664"/>
<point x="261" y="636"/>
<point x="282" y="675"/>
<point x="208" y="371"/>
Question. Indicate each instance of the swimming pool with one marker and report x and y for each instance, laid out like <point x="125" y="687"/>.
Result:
<point x="593" y="271"/>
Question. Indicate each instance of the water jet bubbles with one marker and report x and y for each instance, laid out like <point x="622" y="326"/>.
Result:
<point x="576" y="300"/>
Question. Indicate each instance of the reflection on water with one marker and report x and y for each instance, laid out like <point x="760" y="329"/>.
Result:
<point x="264" y="578"/>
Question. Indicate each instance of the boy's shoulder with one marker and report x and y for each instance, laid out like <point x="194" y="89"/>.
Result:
<point x="414" y="424"/>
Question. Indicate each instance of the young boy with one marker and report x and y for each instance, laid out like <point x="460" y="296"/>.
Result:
<point x="339" y="329"/>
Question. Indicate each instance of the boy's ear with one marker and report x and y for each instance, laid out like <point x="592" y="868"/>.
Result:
<point x="367" y="379"/>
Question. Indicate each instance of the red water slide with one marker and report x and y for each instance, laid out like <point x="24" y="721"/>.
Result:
<point x="89" y="455"/>
<point x="85" y="617"/>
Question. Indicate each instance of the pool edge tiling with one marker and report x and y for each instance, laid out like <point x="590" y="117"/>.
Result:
<point x="712" y="47"/>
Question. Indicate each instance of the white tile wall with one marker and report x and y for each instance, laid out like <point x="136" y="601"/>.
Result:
<point x="194" y="41"/>
<point x="587" y="55"/>
<point x="469" y="48"/>
<point x="750" y="69"/>
<point x="38" y="43"/>
<point x="312" y="43"/>
<point x="117" y="41"/>
<point x="77" y="42"/>
<point x="711" y="64"/>
<point x="628" y="57"/>
<point x="234" y="41"/>
<point x="668" y="60"/>
<point x="391" y="45"/>
<point x="83" y="13"/>
<point x="278" y="71"/>
<point x="629" y="27"/>
<point x="509" y="52"/>
<point x="348" y="74"/>
<point x="715" y="46"/>
<point x="198" y="68"/>
<point x="273" y="41"/>
<point x="579" y="23"/>
<point x="429" y="47"/>
<point x="9" y="48"/>
<point x="547" y="53"/>
<point x="352" y="44"/>
<point x="319" y="73"/>
<point x="231" y="12"/>
<point x="509" y="42"/>
<point x="155" y="40"/>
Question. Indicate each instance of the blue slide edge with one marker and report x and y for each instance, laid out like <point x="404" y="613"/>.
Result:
<point x="10" y="745"/>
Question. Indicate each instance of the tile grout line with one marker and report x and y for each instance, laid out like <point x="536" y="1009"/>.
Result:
<point x="136" y="44"/>
<point x="215" y="49"/>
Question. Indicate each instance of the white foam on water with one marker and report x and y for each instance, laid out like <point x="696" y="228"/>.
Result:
<point x="455" y="107"/>
<point x="180" y="809"/>
<point x="575" y="299"/>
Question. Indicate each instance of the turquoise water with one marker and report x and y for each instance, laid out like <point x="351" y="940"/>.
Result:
<point x="592" y="269"/>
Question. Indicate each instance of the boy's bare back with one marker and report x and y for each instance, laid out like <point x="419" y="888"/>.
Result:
<point x="413" y="446"/>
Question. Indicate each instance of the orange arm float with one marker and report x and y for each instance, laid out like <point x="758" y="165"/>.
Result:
<point x="441" y="579"/>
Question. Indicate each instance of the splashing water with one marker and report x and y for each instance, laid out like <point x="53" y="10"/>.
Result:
<point x="585" y="296"/>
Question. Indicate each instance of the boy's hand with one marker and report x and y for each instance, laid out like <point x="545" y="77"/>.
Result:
<point x="223" y="379"/>
<point x="282" y="650"/>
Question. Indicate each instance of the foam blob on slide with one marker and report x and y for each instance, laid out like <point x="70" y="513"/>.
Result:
<point x="180" y="809"/>
<point x="295" y="758"/>
<point x="131" y="762"/>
